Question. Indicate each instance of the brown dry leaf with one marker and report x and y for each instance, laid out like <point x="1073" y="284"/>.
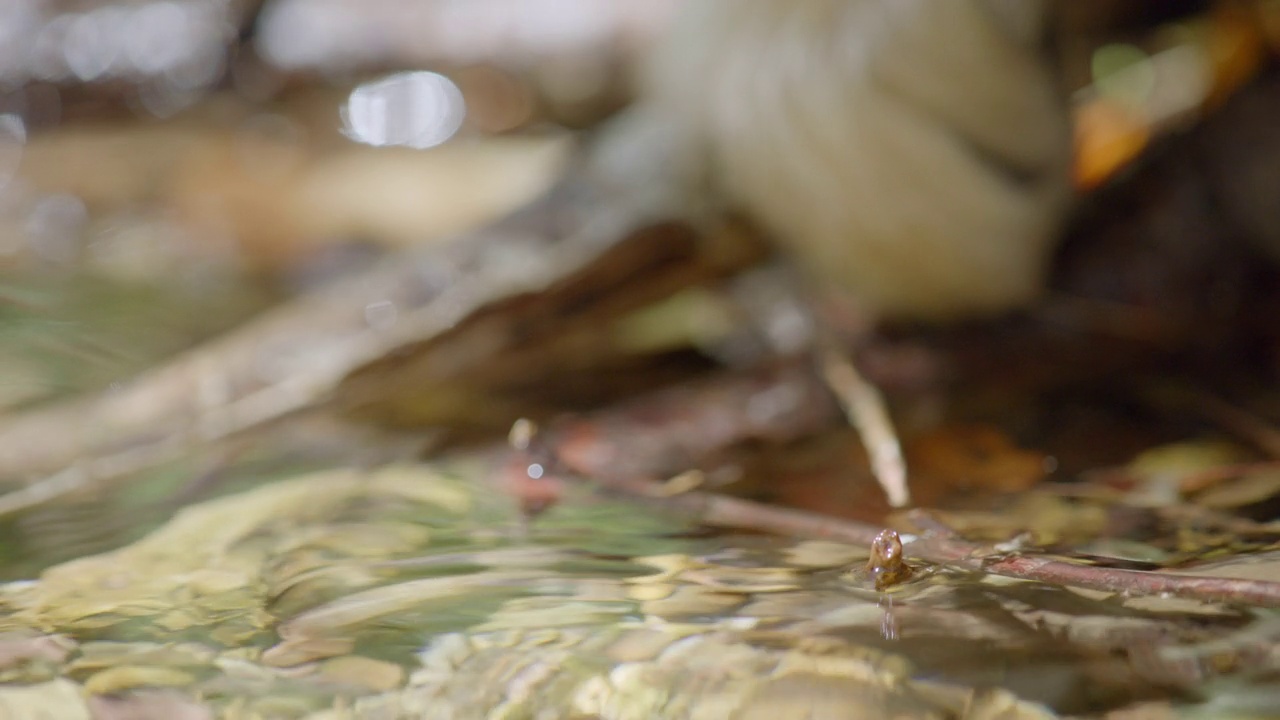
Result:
<point x="1189" y="68"/>
<point x="974" y="458"/>
<point x="1107" y="136"/>
<point x="1236" y="45"/>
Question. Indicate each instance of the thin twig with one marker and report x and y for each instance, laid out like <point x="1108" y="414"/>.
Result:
<point x="865" y="408"/>
<point x="942" y="547"/>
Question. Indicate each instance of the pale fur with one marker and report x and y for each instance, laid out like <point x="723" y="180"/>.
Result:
<point x="873" y="139"/>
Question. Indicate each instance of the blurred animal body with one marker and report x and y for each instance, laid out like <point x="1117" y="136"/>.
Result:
<point x="912" y="154"/>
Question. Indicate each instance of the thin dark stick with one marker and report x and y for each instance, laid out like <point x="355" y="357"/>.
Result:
<point x="940" y="546"/>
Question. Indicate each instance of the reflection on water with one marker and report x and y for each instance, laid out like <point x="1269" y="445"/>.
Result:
<point x="265" y="576"/>
<point x="63" y="333"/>
<point x="412" y="587"/>
<point x="235" y="580"/>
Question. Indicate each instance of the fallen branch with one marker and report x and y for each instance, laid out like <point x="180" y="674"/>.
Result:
<point x="940" y="546"/>
<point x="495" y="304"/>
